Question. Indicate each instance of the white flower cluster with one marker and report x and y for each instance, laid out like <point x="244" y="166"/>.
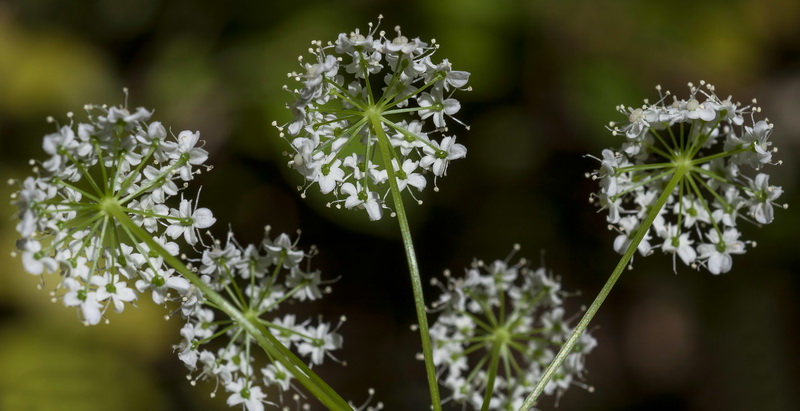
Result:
<point x="499" y="328"/>
<point x="337" y="110"/>
<point x="706" y="139"/>
<point x="258" y="279"/>
<point x="116" y="162"/>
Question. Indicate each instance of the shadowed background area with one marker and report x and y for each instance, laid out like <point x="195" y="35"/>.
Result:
<point x="546" y="77"/>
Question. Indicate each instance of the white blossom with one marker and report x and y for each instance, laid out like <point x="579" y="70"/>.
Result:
<point x="341" y="118"/>
<point x="262" y="278"/>
<point x="705" y="143"/>
<point x="509" y="309"/>
<point x="112" y="161"/>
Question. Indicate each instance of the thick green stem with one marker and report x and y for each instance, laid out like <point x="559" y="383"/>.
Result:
<point x="260" y="334"/>
<point x="548" y="374"/>
<point x="416" y="283"/>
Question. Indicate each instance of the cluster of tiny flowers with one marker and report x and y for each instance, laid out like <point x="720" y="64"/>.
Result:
<point x="336" y="112"/>
<point x="115" y="162"/>
<point x="258" y="279"/>
<point x="499" y="327"/>
<point x="713" y="142"/>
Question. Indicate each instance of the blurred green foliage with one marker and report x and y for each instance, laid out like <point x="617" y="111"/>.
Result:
<point x="546" y="78"/>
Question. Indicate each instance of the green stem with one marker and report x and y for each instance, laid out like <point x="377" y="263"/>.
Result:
<point x="566" y="349"/>
<point x="416" y="283"/>
<point x="493" y="365"/>
<point x="260" y="334"/>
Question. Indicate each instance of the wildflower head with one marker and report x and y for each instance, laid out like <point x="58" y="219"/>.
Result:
<point x="114" y="164"/>
<point x="261" y="280"/>
<point x="365" y="92"/>
<point x="499" y="327"/>
<point x="712" y="151"/>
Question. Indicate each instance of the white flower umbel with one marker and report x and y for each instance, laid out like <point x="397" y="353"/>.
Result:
<point x="261" y="281"/>
<point x="365" y="93"/>
<point x="98" y="211"/>
<point x="699" y="150"/>
<point x="499" y="327"/>
<point x="680" y="183"/>
<point x="114" y="164"/>
<point x="371" y="118"/>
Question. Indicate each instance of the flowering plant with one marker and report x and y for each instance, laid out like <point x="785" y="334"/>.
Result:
<point x="106" y="211"/>
<point x="97" y="212"/>
<point x="681" y="172"/>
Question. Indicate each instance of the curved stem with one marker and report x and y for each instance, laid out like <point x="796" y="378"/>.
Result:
<point x="416" y="283"/>
<point x="259" y="333"/>
<point x="565" y="350"/>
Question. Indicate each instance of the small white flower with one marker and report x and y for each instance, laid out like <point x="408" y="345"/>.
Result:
<point x="282" y="251"/>
<point x="437" y="106"/>
<point x="763" y="195"/>
<point x="78" y="296"/>
<point x="117" y="291"/>
<point x="251" y="398"/>
<point x="187" y="152"/>
<point x="437" y="157"/>
<point x="678" y="244"/>
<point x="717" y="253"/>
<point x="32" y="260"/>
<point x="188" y="222"/>
<point x="307" y="284"/>
<point x="330" y="175"/>
<point x="160" y="284"/>
<point x="276" y="373"/>
<point x="323" y="340"/>
<point x="361" y="197"/>
<point x="407" y="176"/>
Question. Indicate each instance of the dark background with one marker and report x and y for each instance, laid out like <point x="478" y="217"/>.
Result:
<point x="546" y="77"/>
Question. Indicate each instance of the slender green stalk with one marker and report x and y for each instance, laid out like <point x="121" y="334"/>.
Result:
<point x="250" y="324"/>
<point x="680" y="170"/>
<point x="494" y="363"/>
<point x="416" y="283"/>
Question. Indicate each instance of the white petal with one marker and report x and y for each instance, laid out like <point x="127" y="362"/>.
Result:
<point x="174" y="231"/>
<point x="374" y="210"/>
<point x="621" y="243"/>
<point x="91" y="309"/>
<point x="451" y="106"/>
<point x="203" y="218"/>
<point x="327" y="184"/>
<point x="179" y="284"/>
<point x="156" y="131"/>
<point x="456" y="151"/>
<point x="458" y="79"/>
<point x="687" y="254"/>
<point x="719" y="263"/>
<point x="418" y="181"/>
